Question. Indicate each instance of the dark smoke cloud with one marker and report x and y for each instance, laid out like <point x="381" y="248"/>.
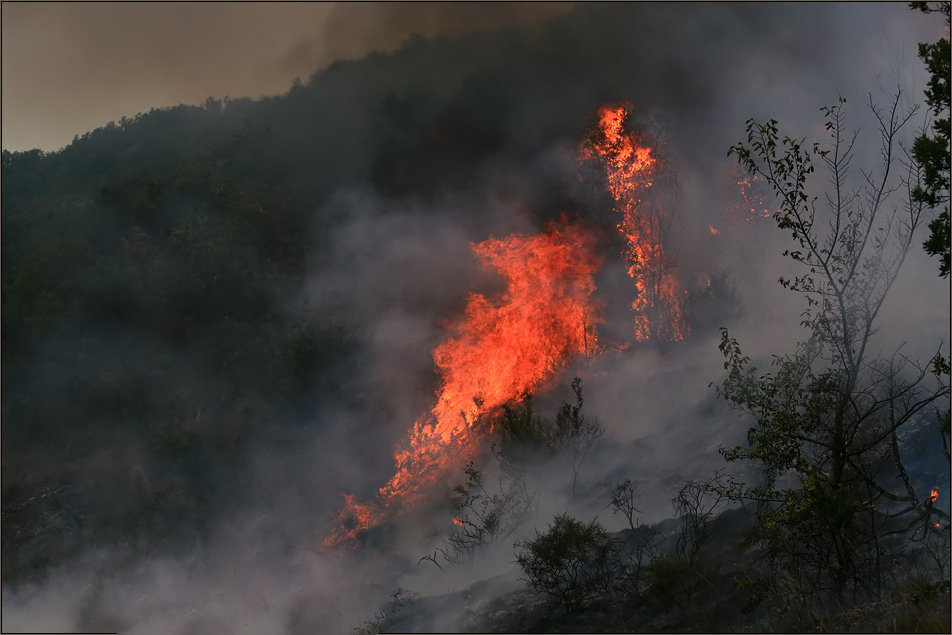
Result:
<point x="400" y="267"/>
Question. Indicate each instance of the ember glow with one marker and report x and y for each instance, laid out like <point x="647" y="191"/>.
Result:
<point x="935" y="494"/>
<point x="751" y="195"/>
<point x="631" y="168"/>
<point x="503" y="349"/>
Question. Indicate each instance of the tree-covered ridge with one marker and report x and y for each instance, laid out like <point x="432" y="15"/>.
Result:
<point x="153" y="271"/>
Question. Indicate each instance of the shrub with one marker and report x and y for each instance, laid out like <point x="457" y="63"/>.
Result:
<point x="571" y="561"/>
<point x="484" y="517"/>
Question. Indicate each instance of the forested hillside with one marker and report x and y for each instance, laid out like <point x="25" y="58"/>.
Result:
<point x="225" y="326"/>
<point x="154" y="269"/>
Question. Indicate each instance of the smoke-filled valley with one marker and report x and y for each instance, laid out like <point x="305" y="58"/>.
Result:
<point x="341" y="360"/>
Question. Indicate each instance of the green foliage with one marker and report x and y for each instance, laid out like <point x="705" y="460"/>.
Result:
<point x="933" y="152"/>
<point x="938" y="242"/>
<point x="150" y="271"/>
<point x="940" y="367"/>
<point x="674" y="582"/>
<point x="787" y="404"/>
<point x="664" y="577"/>
<point x="524" y="436"/>
<point x="488" y="513"/>
<point x="48" y="287"/>
<point x="572" y="561"/>
<point x="828" y="416"/>
<point x="684" y="577"/>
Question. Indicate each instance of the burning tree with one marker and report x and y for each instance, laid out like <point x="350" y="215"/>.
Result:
<point x="632" y="167"/>
<point x="830" y="415"/>
<point x="503" y="349"/>
<point x="746" y="220"/>
<point x="496" y="499"/>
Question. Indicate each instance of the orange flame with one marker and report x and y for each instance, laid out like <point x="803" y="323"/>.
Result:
<point x="631" y="169"/>
<point x="752" y="198"/>
<point x="935" y="494"/>
<point x="503" y="349"/>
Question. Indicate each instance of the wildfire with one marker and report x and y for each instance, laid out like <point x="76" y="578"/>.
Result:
<point x="631" y="168"/>
<point x="752" y="198"/>
<point x="503" y="349"/>
<point x="935" y="494"/>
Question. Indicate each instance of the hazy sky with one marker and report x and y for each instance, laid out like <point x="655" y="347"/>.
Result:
<point x="71" y="67"/>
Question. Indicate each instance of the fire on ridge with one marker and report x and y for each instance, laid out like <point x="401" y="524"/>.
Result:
<point x="502" y="349"/>
<point x="518" y="342"/>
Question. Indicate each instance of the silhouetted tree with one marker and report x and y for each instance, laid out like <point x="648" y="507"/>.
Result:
<point x="829" y="416"/>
